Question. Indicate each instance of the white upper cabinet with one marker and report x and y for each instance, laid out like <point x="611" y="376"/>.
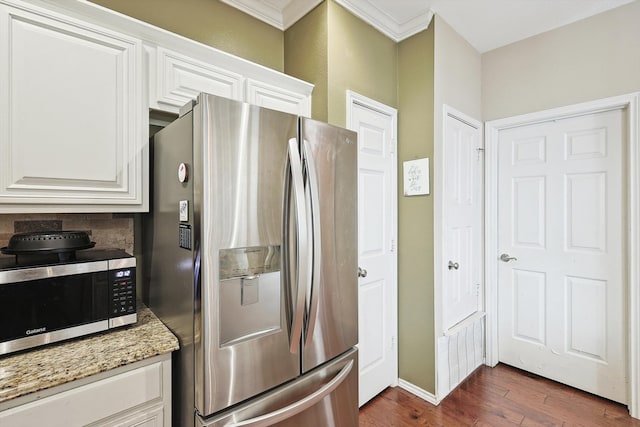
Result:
<point x="278" y="98"/>
<point x="72" y="118"/>
<point x="77" y="82"/>
<point x="179" y="79"/>
<point x="180" y="69"/>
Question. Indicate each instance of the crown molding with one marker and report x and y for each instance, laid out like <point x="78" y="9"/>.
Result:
<point x="280" y="14"/>
<point x="397" y="31"/>
<point x="296" y="9"/>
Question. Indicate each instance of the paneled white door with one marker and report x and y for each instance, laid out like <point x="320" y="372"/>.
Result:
<point x="377" y="201"/>
<point x="562" y="240"/>
<point x="463" y="207"/>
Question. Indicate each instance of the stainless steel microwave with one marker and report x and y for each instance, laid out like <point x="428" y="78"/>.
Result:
<point x="46" y="302"/>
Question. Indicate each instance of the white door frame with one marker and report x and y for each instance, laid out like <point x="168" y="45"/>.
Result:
<point x="631" y="103"/>
<point x="354" y="99"/>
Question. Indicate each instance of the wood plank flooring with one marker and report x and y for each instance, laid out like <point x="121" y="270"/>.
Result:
<point x="500" y="396"/>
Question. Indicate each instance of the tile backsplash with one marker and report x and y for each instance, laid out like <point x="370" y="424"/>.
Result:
<point x="109" y="231"/>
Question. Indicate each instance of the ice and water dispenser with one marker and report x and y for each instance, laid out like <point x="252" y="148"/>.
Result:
<point x="250" y="293"/>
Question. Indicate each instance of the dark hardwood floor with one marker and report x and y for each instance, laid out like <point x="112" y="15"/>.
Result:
<point x="500" y="396"/>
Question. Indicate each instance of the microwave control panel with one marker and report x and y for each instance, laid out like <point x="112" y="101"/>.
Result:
<point x="123" y="291"/>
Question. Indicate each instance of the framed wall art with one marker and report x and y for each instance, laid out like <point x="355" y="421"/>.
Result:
<point x="416" y="177"/>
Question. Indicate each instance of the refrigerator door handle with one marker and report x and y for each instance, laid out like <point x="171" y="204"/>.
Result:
<point x="197" y="279"/>
<point x="302" y="239"/>
<point x="316" y="240"/>
<point x="299" y="406"/>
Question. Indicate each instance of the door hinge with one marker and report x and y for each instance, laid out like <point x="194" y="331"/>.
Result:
<point x="477" y="289"/>
<point x="393" y="342"/>
<point x="393" y="245"/>
<point x="392" y="147"/>
<point x="479" y="152"/>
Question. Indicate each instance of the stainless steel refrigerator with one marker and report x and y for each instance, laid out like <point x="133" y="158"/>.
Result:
<point x="250" y="258"/>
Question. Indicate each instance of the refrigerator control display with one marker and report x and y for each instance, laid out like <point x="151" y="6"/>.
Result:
<point x="184" y="236"/>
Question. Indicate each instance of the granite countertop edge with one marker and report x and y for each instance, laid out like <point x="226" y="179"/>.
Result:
<point x="56" y="364"/>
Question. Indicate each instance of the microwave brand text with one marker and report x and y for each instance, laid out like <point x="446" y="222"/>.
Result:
<point x="35" y="331"/>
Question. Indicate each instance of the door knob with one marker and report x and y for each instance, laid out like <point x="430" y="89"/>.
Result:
<point x="362" y="272"/>
<point x="507" y="258"/>
<point x="453" y="265"/>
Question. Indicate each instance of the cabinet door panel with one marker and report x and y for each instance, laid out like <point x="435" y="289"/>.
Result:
<point x="180" y="79"/>
<point x="71" y="113"/>
<point x="277" y="98"/>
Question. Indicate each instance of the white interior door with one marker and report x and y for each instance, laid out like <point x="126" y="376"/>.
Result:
<point x="462" y="220"/>
<point x="562" y="286"/>
<point x="377" y="201"/>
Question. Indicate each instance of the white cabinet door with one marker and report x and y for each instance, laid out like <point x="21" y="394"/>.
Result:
<point x="278" y="98"/>
<point x="72" y="125"/>
<point x="179" y="79"/>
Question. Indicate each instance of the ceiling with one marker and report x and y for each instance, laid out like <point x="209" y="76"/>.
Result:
<point x="485" y="24"/>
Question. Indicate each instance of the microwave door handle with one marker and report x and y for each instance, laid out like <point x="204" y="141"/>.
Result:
<point x="313" y="197"/>
<point x="301" y="238"/>
<point x="299" y="406"/>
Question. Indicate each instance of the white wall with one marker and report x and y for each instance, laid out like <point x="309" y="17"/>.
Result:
<point x="591" y="59"/>
<point x="457" y="72"/>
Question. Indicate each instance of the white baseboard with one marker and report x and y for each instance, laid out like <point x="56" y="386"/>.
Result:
<point x="422" y="394"/>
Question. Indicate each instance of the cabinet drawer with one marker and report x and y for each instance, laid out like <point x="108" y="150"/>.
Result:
<point x="92" y="402"/>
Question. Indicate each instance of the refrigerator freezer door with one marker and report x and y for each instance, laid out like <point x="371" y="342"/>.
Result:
<point x="330" y="158"/>
<point x="242" y="327"/>
<point x="327" y="396"/>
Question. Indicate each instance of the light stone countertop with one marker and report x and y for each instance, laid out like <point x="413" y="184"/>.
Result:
<point x="56" y="364"/>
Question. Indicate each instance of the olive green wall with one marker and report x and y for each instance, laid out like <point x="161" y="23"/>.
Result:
<point x="337" y="51"/>
<point x="306" y="56"/>
<point x="361" y="59"/>
<point x="416" y="341"/>
<point x="210" y="22"/>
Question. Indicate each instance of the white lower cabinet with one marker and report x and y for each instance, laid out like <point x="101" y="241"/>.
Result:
<point x="73" y="136"/>
<point x="139" y="396"/>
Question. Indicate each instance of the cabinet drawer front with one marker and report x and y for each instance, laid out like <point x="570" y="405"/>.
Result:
<point x="92" y="402"/>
